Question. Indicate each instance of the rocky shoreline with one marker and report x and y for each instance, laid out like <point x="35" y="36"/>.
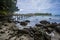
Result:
<point x="42" y="31"/>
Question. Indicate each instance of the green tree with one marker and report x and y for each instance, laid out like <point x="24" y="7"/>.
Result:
<point x="7" y="7"/>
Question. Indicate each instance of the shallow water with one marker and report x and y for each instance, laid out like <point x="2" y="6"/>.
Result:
<point x="36" y="19"/>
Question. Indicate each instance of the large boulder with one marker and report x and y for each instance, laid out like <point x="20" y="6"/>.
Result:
<point x="23" y="23"/>
<point x="58" y="24"/>
<point x="39" y="25"/>
<point x="44" y="22"/>
<point x="49" y="30"/>
<point x="27" y="21"/>
<point x="53" y="25"/>
<point x="57" y="29"/>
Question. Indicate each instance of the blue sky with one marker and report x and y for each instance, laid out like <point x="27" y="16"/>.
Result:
<point x="40" y="6"/>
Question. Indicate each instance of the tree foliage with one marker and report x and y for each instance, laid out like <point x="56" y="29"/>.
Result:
<point x="8" y="7"/>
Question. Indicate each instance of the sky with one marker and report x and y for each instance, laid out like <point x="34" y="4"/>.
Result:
<point x="39" y="6"/>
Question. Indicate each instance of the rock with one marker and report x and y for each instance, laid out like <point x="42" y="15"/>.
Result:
<point x="49" y="30"/>
<point x="27" y="21"/>
<point x="2" y="32"/>
<point x="58" y="24"/>
<point x="13" y="33"/>
<point x="44" y="22"/>
<point x="57" y="29"/>
<point x="50" y="18"/>
<point x="38" y="25"/>
<point x="17" y="21"/>
<point x="26" y="37"/>
<point x="24" y="31"/>
<point x="0" y="23"/>
<point x="59" y="38"/>
<point x="13" y="38"/>
<point x="9" y="21"/>
<point x="0" y="27"/>
<point x="53" y="25"/>
<point x="23" y="23"/>
<point x="5" y="24"/>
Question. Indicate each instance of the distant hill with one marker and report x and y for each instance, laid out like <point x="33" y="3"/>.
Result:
<point x="43" y="14"/>
<point x="36" y="14"/>
<point x="57" y="15"/>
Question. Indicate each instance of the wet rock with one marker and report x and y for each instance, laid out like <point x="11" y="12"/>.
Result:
<point x="23" y="23"/>
<point x="44" y="22"/>
<point x="50" y="18"/>
<point x="38" y="25"/>
<point x="27" y="21"/>
<point x="17" y="22"/>
<point x="54" y="23"/>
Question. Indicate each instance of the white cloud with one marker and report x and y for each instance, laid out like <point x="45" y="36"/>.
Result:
<point x="21" y="9"/>
<point x="34" y="5"/>
<point x="41" y="4"/>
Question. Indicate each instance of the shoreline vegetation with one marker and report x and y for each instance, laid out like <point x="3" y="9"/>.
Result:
<point x="36" y="14"/>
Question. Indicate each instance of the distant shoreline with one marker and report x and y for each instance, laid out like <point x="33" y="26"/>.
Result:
<point x="36" y="14"/>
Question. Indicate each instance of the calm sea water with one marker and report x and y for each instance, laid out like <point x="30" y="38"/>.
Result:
<point x="36" y="19"/>
<point x="48" y="18"/>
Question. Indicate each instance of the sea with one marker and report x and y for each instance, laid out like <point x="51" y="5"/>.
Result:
<point x="36" y="19"/>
